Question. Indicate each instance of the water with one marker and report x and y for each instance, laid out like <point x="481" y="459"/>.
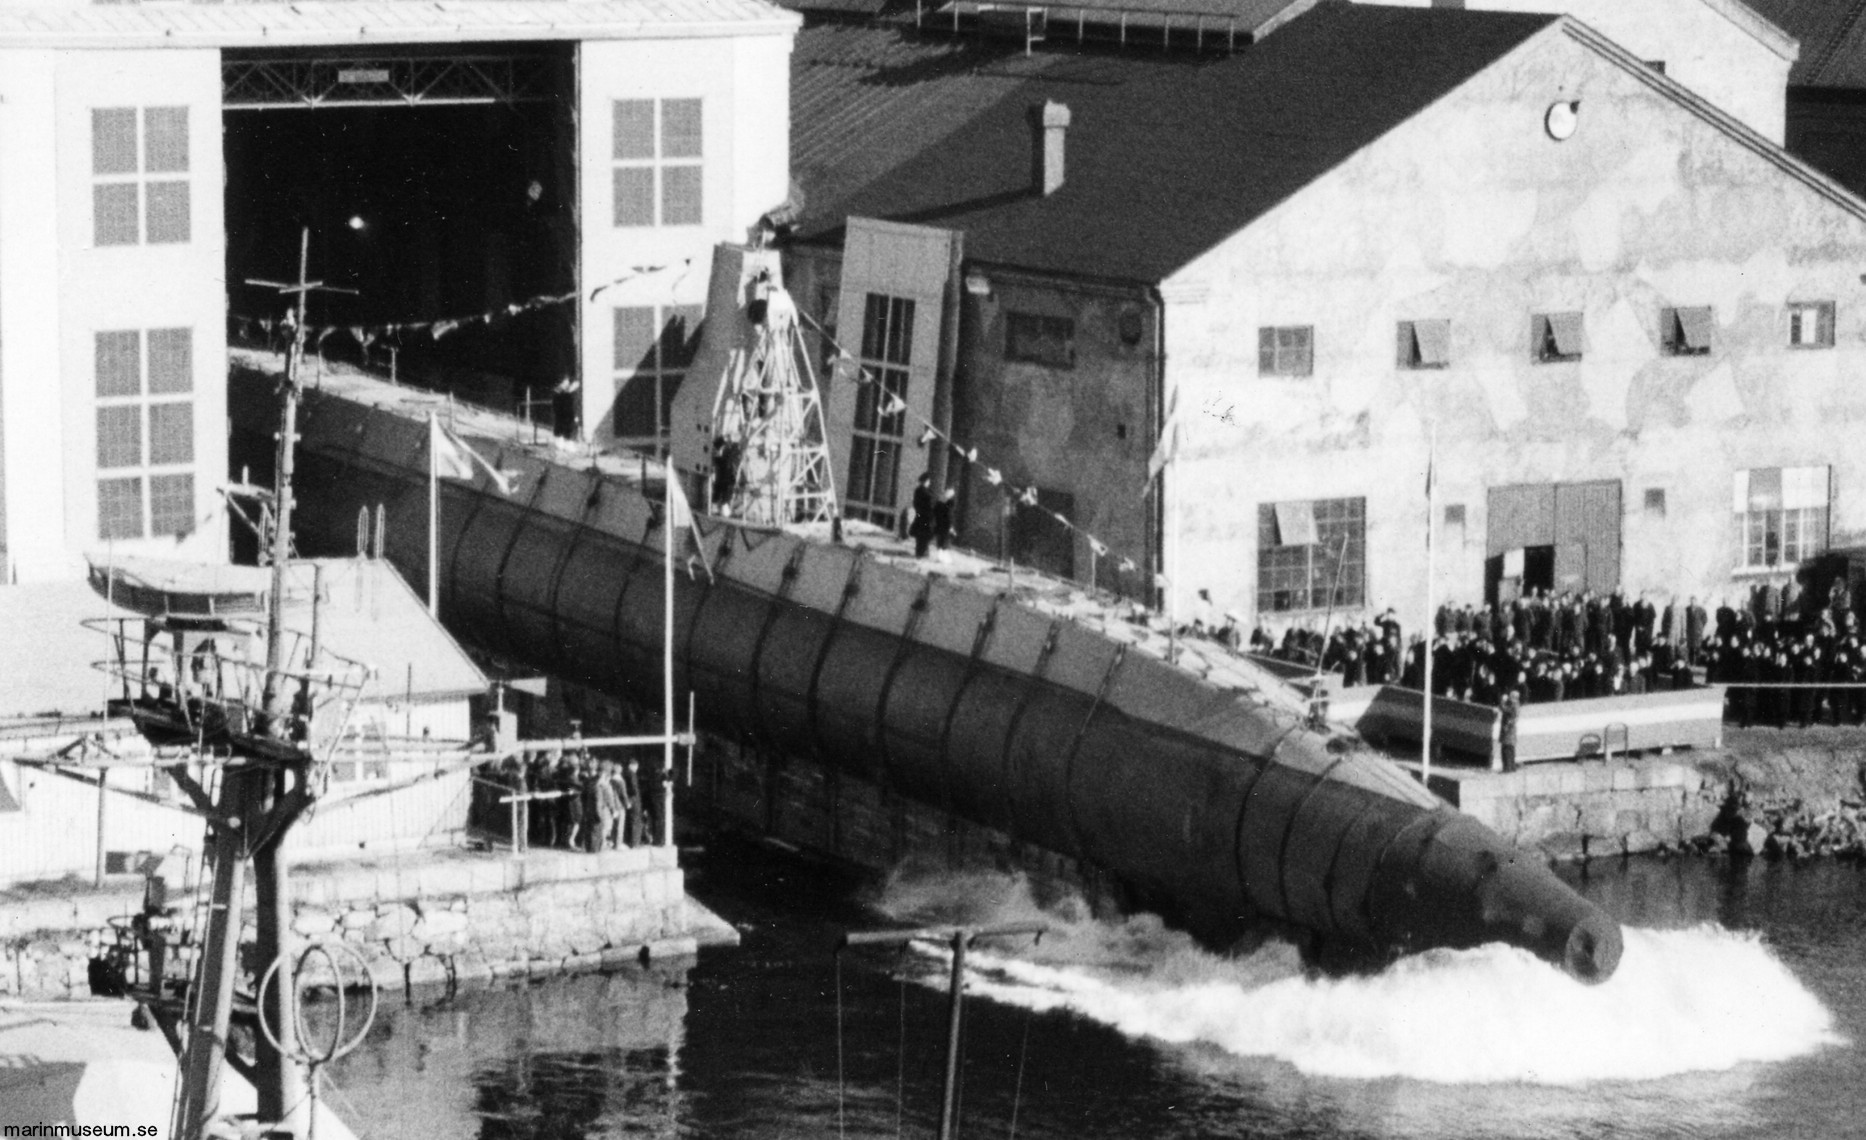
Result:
<point x="1733" y="1015"/>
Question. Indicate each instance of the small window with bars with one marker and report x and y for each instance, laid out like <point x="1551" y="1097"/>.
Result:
<point x="657" y="152"/>
<point x="140" y="192"/>
<point x="1555" y="338"/>
<point x="1036" y="339"/>
<point x="1810" y="324"/>
<point x="1286" y="351"/>
<point x="1686" y="331"/>
<point x="1425" y="344"/>
<point x="654" y="345"/>
<point x="145" y="432"/>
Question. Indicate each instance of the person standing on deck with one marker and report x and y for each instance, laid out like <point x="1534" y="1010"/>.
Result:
<point x="942" y="521"/>
<point x="920" y="529"/>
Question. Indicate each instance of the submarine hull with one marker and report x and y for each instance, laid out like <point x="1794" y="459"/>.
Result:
<point x="1215" y="800"/>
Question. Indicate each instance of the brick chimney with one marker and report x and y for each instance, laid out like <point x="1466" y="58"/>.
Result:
<point x="1049" y="124"/>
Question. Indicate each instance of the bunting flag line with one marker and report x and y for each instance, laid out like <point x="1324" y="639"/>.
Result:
<point x="894" y="405"/>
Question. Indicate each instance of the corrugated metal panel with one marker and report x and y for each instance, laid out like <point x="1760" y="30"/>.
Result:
<point x="1523" y="515"/>
<point x="1587" y="536"/>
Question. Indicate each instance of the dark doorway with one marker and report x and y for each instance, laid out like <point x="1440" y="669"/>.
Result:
<point x="449" y="218"/>
<point x="1036" y="539"/>
<point x="1505" y="579"/>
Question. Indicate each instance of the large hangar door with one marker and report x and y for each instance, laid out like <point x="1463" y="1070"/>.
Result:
<point x="1587" y="536"/>
<point x="1555" y="536"/>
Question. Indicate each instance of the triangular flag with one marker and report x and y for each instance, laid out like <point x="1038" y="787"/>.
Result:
<point x="929" y="435"/>
<point x="993" y="476"/>
<point x="1098" y="546"/>
<point x="971" y="454"/>
<point x="442" y="328"/>
<point x="1029" y="497"/>
<point x="454" y="458"/>
<point x="1160" y="581"/>
<point x="894" y="405"/>
<point x="1058" y="516"/>
<point x="1127" y="566"/>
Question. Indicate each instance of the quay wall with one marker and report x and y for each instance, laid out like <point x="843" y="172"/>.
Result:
<point x="449" y="921"/>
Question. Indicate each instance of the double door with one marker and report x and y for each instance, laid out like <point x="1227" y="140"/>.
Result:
<point x="1559" y="537"/>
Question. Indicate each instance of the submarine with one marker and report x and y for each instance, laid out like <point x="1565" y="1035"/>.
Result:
<point x="1207" y="789"/>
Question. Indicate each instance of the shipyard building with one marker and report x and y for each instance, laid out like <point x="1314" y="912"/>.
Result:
<point x="1612" y="314"/>
<point x="545" y="180"/>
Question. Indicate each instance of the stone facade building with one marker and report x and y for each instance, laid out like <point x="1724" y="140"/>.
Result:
<point x="1618" y="320"/>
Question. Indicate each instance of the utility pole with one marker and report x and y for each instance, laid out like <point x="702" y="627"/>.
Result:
<point x="959" y="938"/>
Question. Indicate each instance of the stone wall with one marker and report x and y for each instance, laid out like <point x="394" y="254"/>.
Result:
<point x="449" y="921"/>
<point x="1583" y="810"/>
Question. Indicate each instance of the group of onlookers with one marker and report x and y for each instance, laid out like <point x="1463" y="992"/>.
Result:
<point x="569" y="800"/>
<point x="1543" y="647"/>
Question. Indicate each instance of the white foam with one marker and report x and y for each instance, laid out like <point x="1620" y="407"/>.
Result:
<point x="1698" y="1000"/>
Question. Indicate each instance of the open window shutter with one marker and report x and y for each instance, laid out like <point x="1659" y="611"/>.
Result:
<point x="1765" y="488"/>
<point x="1434" y="338"/>
<point x="1804" y="487"/>
<point x="1565" y="331"/>
<point x="1295" y="524"/>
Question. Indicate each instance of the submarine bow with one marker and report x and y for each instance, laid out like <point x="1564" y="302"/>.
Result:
<point x="1216" y="801"/>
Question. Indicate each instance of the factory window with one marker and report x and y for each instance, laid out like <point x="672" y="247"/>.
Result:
<point x="1287" y="351"/>
<point x="1686" y="332"/>
<point x="1305" y="550"/>
<point x="135" y="196"/>
<point x="145" y="432"/>
<point x="1783" y="515"/>
<point x="880" y="409"/>
<point x="1424" y="344"/>
<point x="657" y="147"/>
<point x="1811" y="324"/>
<point x="654" y="344"/>
<point x="1555" y="337"/>
<point x="1037" y="339"/>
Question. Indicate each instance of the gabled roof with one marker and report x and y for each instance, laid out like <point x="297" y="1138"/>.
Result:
<point x="1166" y="155"/>
<point x="1832" y="35"/>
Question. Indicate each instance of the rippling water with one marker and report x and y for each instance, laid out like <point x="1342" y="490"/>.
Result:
<point x="1733" y="1015"/>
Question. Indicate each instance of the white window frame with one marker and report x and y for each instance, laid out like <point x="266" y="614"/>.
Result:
<point x="145" y="401"/>
<point x="1810" y="324"/>
<point x="1286" y="350"/>
<point x="1783" y="516"/>
<point x="149" y="177"/>
<point x="665" y="154"/>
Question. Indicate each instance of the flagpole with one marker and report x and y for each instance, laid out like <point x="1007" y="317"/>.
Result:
<point x="667" y="656"/>
<point x="1431" y="500"/>
<point x="434" y="516"/>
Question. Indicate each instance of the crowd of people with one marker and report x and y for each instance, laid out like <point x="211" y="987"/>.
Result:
<point x="1787" y="656"/>
<point x="573" y="801"/>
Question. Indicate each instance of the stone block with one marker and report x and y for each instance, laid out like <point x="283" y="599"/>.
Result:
<point x="1596" y="778"/>
<point x="1570" y="780"/>
<point x="1625" y="777"/>
<point x="394" y="920"/>
<point x="308" y="923"/>
<point x="472" y="968"/>
<point x="359" y="919"/>
<point x="436" y="925"/>
<point x="404" y="949"/>
<point x="427" y="970"/>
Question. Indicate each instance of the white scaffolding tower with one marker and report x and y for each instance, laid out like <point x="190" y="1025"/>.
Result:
<point x="770" y="450"/>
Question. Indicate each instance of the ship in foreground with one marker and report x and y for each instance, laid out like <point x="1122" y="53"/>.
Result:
<point x="1025" y="705"/>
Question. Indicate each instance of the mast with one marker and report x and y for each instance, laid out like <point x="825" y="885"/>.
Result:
<point x="265" y="786"/>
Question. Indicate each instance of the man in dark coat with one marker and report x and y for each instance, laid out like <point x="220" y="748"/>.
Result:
<point x="1695" y="621"/>
<point x="942" y="518"/>
<point x="920" y="529"/>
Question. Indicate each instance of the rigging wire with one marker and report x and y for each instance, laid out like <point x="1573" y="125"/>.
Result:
<point x="840" y="1079"/>
<point x="1023" y="1053"/>
<point x="900" y="1053"/>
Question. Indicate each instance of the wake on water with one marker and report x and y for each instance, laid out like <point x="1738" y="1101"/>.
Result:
<point x="1697" y="1000"/>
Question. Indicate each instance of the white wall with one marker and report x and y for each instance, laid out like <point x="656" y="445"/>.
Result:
<point x="744" y="83"/>
<point x="140" y="286"/>
<point x="1718" y="48"/>
<point x="1471" y="212"/>
<point x="31" y="412"/>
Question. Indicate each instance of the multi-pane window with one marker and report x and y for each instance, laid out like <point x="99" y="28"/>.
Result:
<point x="139" y="167"/>
<point x="1286" y="351"/>
<point x="1555" y="337"/>
<point x="1783" y="514"/>
<point x="653" y="347"/>
<point x="657" y="148"/>
<point x="1686" y="332"/>
<point x="1038" y="339"/>
<point x="1306" y="550"/>
<point x="145" y="432"/>
<point x="1425" y="344"/>
<point x="1810" y="324"/>
<point x="880" y="409"/>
